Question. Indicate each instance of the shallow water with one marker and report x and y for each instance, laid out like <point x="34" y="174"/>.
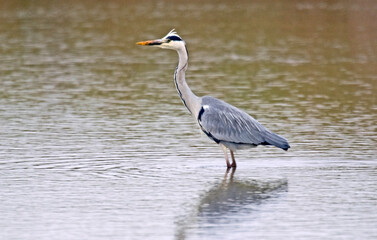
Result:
<point x="96" y="144"/>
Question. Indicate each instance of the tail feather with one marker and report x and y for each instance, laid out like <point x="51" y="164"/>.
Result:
<point x="276" y="140"/>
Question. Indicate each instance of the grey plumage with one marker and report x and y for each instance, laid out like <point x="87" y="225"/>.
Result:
<point x="223" y="123"/>
<point x="234" y="128"/>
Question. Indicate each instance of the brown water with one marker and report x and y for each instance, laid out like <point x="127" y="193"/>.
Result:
<point x="96" y="144"/>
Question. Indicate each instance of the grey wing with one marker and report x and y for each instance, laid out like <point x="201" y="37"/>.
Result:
<point x="227" y="123"/>
<point x="224" y="122"/>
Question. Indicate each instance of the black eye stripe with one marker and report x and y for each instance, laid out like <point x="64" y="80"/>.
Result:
<point x="174" y="38"/>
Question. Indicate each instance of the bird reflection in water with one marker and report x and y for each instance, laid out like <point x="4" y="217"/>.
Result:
<point x="229" y="201"/>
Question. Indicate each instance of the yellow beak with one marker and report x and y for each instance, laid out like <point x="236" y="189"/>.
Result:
<point x="150" y="42"/>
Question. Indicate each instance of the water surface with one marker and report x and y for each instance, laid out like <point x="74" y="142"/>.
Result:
<point x="96" y="144"/>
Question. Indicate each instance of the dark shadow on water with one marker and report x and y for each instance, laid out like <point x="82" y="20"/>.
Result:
<point x="229" y="201"/>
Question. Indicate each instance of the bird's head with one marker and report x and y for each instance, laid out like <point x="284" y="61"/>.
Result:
<point x="171" y="41"/>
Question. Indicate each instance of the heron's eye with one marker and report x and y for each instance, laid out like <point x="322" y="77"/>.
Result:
<point x="174" y="38"/>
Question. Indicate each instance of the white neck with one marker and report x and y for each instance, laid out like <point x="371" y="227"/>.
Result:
<point x="189" y="99"/>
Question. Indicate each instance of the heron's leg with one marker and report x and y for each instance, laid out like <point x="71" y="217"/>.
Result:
<point x="234" y="164"/>
<point x="226" y="156"/>
<point x="224" y="182"/>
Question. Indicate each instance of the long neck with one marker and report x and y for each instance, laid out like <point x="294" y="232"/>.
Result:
<point x="189" y="99"/>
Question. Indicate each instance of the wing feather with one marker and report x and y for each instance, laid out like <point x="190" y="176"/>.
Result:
<point x="227" y="123"/>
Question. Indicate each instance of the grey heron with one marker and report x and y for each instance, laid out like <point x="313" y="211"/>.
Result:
<point x="223" y="123"/>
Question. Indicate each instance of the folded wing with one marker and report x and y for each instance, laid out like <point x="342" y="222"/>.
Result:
<point x="224" y="122"/>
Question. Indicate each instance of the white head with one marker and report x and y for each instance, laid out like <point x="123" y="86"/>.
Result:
<point x="171" y="41"/>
